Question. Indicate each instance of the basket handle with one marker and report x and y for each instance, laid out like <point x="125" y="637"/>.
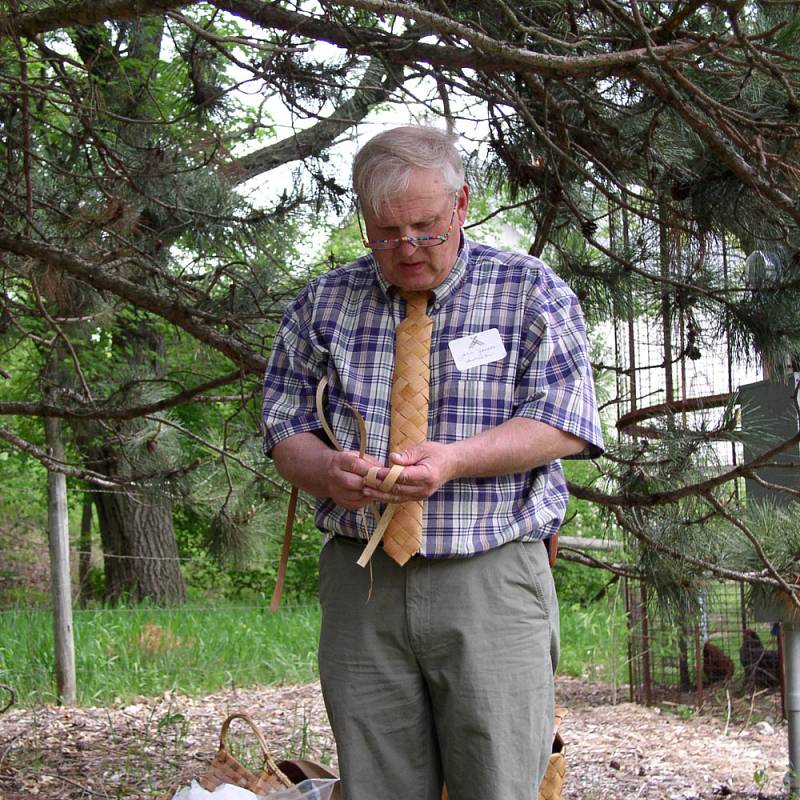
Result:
<point x="223" y="734"/>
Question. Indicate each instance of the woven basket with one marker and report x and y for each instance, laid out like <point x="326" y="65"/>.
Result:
<point x="226" y="769"/>
<point x="553" y="781"/>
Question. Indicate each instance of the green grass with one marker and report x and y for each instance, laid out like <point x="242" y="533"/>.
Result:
<point x="594" y="641"/>
<point x="125" y="653"/>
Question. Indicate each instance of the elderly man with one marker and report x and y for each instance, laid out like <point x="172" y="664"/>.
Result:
<point x="437" y="660"/>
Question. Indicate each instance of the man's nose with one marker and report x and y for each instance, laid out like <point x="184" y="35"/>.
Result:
<point x="407" y="246"/>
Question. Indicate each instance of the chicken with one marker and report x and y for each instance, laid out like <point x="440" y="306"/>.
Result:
<point x="717" y="666"/>
<point x="761" y="666"/>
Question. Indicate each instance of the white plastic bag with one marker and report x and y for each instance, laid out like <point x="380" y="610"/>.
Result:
<point x="316" y="789"/>
<point x="311" y="789"/>
<point x="193" y="792"/>
<point x="225" y="791"/>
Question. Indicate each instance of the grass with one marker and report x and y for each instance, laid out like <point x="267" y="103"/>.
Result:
<point x="594" y="641"/>
<point x="125" y="653"/>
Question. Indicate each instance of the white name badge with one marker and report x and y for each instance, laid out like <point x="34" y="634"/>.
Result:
<point x="478" y="349"/>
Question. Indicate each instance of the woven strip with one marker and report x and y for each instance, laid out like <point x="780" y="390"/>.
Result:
<point x="410" y="396"/>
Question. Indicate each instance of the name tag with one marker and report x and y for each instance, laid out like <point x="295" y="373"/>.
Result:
<point x="478" y="349"/>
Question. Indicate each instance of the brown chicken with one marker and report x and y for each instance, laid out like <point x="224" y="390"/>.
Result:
<point x="717" y="666"/>
<point x="761" y="666"/>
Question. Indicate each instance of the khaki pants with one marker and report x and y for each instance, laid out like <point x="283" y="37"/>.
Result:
<point x="444" y="674"/>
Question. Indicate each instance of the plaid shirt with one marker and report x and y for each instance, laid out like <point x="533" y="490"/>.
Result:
<point x="342" y="326"/>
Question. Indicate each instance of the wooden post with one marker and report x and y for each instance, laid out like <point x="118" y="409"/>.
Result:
<point x="85" y="550"/>
<point x="60" y="584"/>
<point x="646" y="671"/>
<point x="698" y="666"/>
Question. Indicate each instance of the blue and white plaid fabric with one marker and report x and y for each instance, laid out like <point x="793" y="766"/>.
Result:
<point x="342" y="326"/>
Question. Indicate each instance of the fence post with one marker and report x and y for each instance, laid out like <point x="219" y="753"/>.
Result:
<point x="60" y="584"/>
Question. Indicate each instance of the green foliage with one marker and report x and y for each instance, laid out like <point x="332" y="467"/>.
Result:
<point x="583" y="518"/>
<point x="581" y="586"/>
<point x="124" y="653"/>
<point x="635" y="172"/>
<point x="344" y="243"/>
<point x="252" y="581"/>
<point x="776" y="530"/>
<point x="24" y="482"/>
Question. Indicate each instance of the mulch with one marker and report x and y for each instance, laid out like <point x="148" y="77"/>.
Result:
<point x="615" y="749"/>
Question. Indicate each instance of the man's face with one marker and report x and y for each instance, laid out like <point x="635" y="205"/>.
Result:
<point x="425" y="209"/>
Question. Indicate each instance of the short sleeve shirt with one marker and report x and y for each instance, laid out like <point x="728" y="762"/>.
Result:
<point x="342" y="327"/>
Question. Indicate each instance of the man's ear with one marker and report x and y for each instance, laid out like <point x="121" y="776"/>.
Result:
<point x="462" y="204"/>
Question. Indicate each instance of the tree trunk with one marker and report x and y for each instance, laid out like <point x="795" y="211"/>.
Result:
<point x="139" y="547"/>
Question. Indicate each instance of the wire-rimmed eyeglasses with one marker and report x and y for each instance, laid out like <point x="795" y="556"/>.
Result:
<point x="414" y="241"/>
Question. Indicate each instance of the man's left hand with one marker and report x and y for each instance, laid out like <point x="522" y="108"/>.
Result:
<point x="426" y="467"/>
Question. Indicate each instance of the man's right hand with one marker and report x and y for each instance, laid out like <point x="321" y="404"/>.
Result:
<point x="345" y="477"/>
<point x="313" y="466"/>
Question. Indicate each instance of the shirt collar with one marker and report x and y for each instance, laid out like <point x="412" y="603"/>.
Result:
<point x="445" y="289"/>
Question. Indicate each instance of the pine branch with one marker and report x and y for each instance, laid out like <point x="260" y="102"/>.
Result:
<point x="95" y="478"/>
<point x="102" y="278"/>
<point x="709" y="132"/>
<point x="226" y="455"/>
<point x="681" y="556"/>
<point x="566" y="553"/>
<point x="757" y="546"/>
<point x="658" y="498"/>
<point x="106" y="410"/>
<point x="484" y="53"/>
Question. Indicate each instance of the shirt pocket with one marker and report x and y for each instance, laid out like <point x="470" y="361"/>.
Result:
<point x="467" y="403"/>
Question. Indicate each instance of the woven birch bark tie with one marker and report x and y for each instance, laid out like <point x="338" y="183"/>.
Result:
<point x="409" y="422"/>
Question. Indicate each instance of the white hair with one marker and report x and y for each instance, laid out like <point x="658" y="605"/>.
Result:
<point x="382" y="167"/>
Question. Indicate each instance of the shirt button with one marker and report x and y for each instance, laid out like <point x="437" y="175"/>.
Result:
<point x="437" y="306"/>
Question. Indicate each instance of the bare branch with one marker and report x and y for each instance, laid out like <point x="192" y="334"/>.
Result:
<point x="88" y="12"/>
<point x="374" y="87"/>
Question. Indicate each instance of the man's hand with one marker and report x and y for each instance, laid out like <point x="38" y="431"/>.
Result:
<point x="345" y="474"/>
<point x="426" y="467"/>
<point x="306" y="461"/>
<point x="517" y="445"/>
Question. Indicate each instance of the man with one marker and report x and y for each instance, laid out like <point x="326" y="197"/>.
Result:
<point x="439" y="670"/>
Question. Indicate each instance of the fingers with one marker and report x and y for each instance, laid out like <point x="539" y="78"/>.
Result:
<point x="356" y="481"/>
<point x="412" y="483"/>
<point x="346" y="473"/>
<point x="405" y="457"/>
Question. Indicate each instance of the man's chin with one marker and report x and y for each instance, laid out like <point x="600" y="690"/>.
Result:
<point x="414" y="278"/>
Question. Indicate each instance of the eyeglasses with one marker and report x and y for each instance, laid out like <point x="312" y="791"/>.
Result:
<point x="414" y="241"/>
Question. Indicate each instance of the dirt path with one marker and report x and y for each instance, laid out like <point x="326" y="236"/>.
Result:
<point x="621" y="751"/>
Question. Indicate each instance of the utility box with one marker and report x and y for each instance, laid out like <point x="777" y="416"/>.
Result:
<point x="769" y="417"/>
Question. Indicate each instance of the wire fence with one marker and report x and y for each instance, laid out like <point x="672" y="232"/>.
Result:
<point x="717" y="655"/>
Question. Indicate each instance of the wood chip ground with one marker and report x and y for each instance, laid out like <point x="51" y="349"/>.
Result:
<point x="615" y="749"/>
